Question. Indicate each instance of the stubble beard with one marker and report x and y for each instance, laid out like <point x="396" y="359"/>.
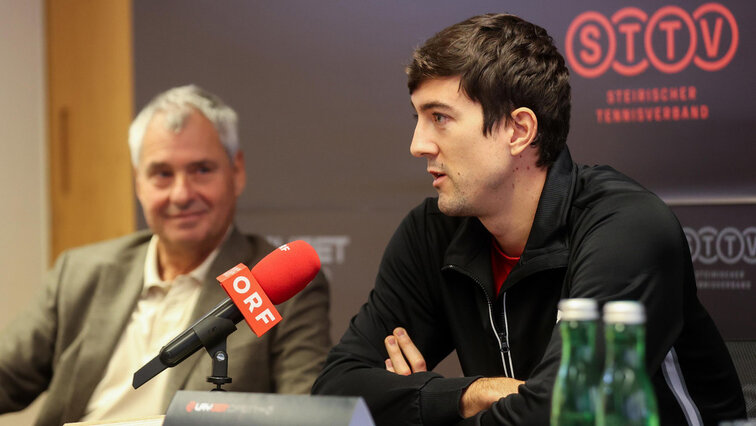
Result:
<point x="454" y="204"/>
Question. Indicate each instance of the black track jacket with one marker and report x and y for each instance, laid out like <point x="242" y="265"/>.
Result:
<point x="596" y="234"/>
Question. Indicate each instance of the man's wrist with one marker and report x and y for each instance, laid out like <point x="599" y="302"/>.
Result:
<point x="472" y="401"/>
<point x="484" y="392"/>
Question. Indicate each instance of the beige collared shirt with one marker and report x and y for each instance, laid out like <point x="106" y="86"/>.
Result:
<point x="163" y="310"/>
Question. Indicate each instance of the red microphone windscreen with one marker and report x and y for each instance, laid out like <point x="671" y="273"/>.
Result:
<point x="287" y="270"/>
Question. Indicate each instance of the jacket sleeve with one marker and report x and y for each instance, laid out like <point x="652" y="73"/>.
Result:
<point x="27" y="347"/>
<point x="637" y="251"/>
<point x="629" y="249"/>
<point x="402" y="296"/>
<point x="302" y="339"/>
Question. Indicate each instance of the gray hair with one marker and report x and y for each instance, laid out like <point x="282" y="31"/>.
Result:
<point x="177" y="104"/>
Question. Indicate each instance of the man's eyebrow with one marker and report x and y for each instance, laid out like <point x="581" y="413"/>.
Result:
<point x="150" y="167"/>
<point x="159" y="165"/>
<point x="434" y="105"/>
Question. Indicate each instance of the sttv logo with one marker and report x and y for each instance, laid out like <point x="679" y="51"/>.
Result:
<point x="729" y="245"/>
<point x="669" y="40"/>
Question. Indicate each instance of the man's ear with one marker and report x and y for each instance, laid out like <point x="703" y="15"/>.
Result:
<point x="240" y="173"/>
<point x="524" y="125"/>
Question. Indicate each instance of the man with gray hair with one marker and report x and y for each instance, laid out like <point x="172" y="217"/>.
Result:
<point x="108" y="308"/>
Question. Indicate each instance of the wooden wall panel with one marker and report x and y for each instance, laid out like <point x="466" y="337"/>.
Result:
<point x="90" y="90"/>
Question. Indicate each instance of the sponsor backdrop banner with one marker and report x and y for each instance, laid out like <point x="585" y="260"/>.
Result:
<point x="722" y="242"/>
<point x="661" y="91"/>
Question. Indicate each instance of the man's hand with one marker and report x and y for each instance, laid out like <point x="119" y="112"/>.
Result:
<point x="404" y="357"/>
<point x="485" y="391"/>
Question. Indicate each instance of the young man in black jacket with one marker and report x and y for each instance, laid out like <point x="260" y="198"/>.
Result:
<point x="516" y="227"/>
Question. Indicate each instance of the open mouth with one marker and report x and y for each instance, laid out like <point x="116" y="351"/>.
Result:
<point x="437" y="178"/>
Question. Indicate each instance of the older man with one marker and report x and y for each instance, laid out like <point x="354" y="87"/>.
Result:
<point x="109" y="307"/>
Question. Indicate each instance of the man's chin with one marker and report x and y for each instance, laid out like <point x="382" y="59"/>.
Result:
<point x="185" y="238"/>
<point x="451" y="207"/>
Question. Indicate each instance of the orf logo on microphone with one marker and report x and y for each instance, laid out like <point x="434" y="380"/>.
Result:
<point x="669" y="40"/>
<point x="249" y="297"/>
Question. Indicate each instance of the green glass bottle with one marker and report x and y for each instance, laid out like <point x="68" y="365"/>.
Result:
<point x="573" y="401"/>
<point x="626" y="394"/>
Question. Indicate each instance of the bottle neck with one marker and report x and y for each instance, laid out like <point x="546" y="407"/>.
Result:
<point x="578" y="340"/>
<point x="625" y="345"/>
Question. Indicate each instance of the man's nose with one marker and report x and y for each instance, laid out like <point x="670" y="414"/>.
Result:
<point x="422" y="145"/>
<point x="182" y="191"/>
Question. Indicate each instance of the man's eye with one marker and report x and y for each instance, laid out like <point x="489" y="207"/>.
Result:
<point x="439" y="118"/>
<point x="161" y="174"/>
<point x="160" y="178"/>
<point x="203" y="169"/>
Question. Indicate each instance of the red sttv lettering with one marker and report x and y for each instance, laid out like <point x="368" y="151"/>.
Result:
<point x="669" y="40"/>
<point x="247" y="294"/>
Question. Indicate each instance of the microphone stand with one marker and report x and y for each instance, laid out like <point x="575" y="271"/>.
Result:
<point x="209" y="332"/>
<point x="212" y="332"/>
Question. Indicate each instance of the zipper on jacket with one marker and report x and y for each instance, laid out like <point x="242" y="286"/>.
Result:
<point x="505" y="338"/>
<point x="504" y="344"/>
<point x="491" y="319"/>
<point x="504" y="349"/>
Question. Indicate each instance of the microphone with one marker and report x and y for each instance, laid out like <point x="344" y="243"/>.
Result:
<point x="281" y="274"/>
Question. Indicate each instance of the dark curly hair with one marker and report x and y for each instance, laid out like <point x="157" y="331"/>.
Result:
<point x="504" y="63"/>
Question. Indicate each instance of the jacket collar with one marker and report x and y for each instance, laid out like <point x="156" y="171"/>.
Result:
<point x="546" y="248"/>
<point x="469" y="253"/>
<point x="548" y="233"/>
